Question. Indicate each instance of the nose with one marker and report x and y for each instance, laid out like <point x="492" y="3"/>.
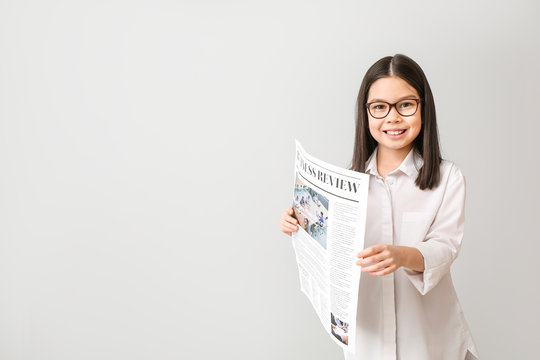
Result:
<point x="393" y="115"/>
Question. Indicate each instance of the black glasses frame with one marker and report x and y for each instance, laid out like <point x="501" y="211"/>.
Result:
<point x="394" y="105"/>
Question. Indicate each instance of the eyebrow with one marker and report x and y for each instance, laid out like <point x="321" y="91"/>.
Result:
<point x="401" y="98"/>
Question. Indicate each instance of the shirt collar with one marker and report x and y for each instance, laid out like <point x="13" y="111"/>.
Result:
<point x="409" y="166"/>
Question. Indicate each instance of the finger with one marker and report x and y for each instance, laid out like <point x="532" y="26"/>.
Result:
<point x="289" y="227"/>
<point x="291" y="220"/>
<point x="372" y="250"/>
<point x="286" y="224"/>
<point x="371" y="259"/>
<point x="377" y="267"/>
<point x="287" y="230"/>
<point x="368" y="251"/>
<point x="288" y="215"/>
<point x="390" y="269"/>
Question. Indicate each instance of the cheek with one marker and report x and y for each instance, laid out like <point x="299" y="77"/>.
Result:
<point x="374" y="133"/>
<point x="374" y="128"/>
<point x="417" y="126"/>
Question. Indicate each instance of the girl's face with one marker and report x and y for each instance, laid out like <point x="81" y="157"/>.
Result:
<point x="393" y="89"/>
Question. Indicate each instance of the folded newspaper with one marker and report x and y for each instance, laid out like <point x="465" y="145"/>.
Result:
<point x="330" y="204"/>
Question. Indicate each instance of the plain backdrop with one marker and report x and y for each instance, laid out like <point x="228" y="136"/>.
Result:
<point x="146" y="155"/>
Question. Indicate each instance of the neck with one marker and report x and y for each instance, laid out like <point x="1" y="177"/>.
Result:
<point x="389" y="159"/>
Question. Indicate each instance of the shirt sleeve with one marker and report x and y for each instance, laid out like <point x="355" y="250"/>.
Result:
<point x="443" y="240"/>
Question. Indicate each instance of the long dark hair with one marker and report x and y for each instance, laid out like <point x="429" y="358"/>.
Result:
<point x="427" y="141"/>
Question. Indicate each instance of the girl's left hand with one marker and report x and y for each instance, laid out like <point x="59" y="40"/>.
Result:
<point x="385" y="258"/>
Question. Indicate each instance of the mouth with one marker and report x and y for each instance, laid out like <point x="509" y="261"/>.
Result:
<point x="395" y="132"/>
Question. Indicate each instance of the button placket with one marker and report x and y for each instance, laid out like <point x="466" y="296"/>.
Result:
<point x="389" y="314"/>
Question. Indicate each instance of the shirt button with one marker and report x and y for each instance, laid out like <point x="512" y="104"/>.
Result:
<point x="390" y="181"/>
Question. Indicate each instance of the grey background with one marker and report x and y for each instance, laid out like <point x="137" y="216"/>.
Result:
<point x="146" y="154"/>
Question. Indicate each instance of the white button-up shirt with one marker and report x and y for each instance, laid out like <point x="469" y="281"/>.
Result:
<point x="411" y="315"/>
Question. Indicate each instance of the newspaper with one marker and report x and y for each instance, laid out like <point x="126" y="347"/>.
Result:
<point x="330" y="204"/>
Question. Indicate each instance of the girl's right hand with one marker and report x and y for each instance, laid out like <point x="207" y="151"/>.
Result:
<point x="288" y="224"/>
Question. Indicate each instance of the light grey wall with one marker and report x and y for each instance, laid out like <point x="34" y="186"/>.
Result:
<point x="146" y="154"/>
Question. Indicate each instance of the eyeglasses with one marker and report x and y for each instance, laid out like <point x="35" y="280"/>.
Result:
<point x="379" y="109"/>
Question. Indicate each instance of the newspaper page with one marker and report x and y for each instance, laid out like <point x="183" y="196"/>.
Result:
<point x="330" y="205"/>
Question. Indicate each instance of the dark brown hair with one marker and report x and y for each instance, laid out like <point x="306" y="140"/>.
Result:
<point x="427" y="141"/>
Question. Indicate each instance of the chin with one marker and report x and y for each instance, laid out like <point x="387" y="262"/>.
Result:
<point x="396" y="145"/>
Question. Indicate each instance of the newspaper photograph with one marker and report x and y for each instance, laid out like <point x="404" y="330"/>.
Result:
<point x="330" y="205"/>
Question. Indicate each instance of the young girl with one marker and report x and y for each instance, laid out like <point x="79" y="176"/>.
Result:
<point x="407" y="305"/>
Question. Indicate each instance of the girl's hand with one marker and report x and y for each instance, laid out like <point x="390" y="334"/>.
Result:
<point x="287" y="223"/>
<point x="385" y="258"/>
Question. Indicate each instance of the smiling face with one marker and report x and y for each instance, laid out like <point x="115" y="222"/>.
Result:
<point x="394" y="133"/>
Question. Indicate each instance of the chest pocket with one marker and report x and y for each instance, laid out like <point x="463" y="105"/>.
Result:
<point x="414" y="227"/>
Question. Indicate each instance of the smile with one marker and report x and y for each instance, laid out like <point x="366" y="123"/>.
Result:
<point x="394" y="133"/>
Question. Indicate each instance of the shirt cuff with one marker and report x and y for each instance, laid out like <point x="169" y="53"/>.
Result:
<point x="436" y="266"/>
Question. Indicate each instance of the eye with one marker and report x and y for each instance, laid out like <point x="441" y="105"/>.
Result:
<point x="406" y="104"/>
<point x="379" y="106"/>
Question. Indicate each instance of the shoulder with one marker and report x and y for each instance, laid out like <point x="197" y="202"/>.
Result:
<point x="451" y="174"/>
<point x="450" y="168"/>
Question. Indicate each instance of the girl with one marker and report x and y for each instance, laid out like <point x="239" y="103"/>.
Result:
<point x="407" y="305"/>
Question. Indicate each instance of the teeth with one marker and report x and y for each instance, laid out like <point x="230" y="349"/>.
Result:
<point x="395" y="132"/>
